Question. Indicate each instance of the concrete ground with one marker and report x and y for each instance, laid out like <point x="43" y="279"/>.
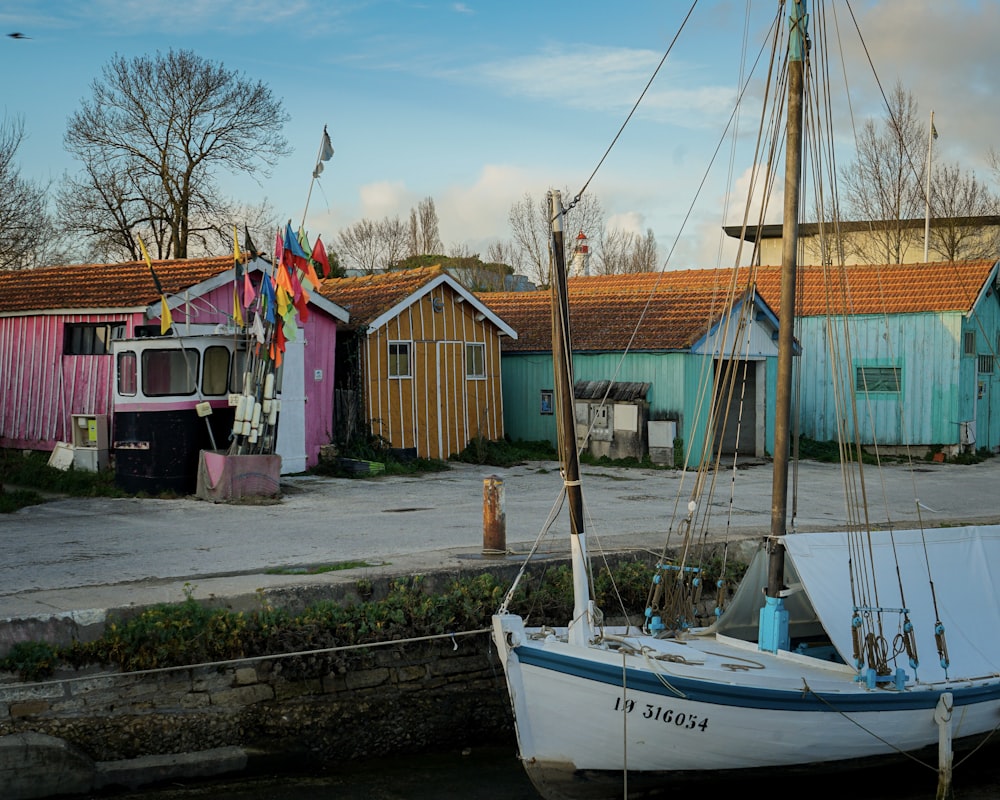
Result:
<point x="69" y="563"/>
<point x="75" y="559"/>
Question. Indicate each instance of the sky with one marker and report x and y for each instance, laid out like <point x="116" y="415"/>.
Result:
<point x="477" y="104"/>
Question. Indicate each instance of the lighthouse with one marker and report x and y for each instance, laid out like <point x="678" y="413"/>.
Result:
<point x="580" y="263"/>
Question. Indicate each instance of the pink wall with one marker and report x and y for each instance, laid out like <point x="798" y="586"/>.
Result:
<point x="40" y="387"/>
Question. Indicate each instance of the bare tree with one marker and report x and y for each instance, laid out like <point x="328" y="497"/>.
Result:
<point x="394" y="238"/>
<point x="620" y="252"/>
<point x="957" y="199"/>
<point x="430" y="238"/>
<point x="413" y="240"/>
<point x="23" y="217"/>
<point x="502" y="252"/>
<point x="531" y="230"/>
<point x="158" y="130"/>
<point x="883" y="184"/>
<point x="359" y="247"/>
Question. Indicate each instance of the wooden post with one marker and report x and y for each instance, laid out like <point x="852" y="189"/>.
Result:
<point x="494" y="517"/>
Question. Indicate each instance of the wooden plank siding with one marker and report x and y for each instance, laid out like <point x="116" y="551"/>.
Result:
<point x="40" y="387"/>
<point x="437" y="410"/>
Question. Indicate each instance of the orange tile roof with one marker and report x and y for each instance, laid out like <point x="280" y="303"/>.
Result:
<point x="604" y="310"/>
<point x="366" y="297"/>
<point x="882" y="289"/>
<point x="78" y="286"/>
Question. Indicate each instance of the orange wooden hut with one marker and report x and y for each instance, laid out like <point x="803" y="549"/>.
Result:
<point x="420" y="360"/>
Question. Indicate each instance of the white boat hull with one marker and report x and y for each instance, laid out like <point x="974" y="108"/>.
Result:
<point x="662" y="709"/>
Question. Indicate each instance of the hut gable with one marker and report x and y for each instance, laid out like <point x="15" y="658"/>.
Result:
<point x="429" y="360"/>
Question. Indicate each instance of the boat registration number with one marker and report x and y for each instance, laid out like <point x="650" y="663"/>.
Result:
<point x="666" y="715"/>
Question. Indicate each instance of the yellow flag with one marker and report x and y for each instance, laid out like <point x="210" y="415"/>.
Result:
<point x="236" y="246"/>
<point x="237" y="311"/>
<point x="166" y="321"/>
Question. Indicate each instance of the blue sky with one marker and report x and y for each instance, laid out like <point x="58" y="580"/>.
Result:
<point x="477" y="103"/>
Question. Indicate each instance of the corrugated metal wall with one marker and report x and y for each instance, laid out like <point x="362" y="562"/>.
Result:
<point x="437" y="410"/>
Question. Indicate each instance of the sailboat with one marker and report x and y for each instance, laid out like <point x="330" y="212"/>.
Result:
<point x="808" y="667"/>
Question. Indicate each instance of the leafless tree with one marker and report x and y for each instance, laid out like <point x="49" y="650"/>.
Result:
<point x="394" y="237"/>
<point x="359" y="247"/>
<point x="502" y="252"/>
<point x="620" y="252"/>
<point x="430" y="238"/>
<point x="957" y="199"/>
<point x="883" y="184"/>
<point x="152" y="138"/>
<point x="531" y="229"/>
<point x="24" y="222"/>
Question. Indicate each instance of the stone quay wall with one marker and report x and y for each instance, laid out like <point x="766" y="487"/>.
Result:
<point x="83" y="731"/>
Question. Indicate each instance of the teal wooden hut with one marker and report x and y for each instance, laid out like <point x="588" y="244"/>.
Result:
<point x="664" y="329"/>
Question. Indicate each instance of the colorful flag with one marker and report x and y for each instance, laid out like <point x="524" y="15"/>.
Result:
<point x="166" y="320"/>
<point x="248" y="291"/>
<point x="237" y="257"/>
<point x="319" y="257"/>
<point x="325" y="153"/>
<point x="237" y="311"/>
<point x="270" y="301"/>
<point x="310" y="270"/>
<point x="248" y="246"/>
<point x="293" y="254"/>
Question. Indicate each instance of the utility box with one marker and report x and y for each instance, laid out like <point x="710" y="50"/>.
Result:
<point x="661" y="440"/>
<point x="90" y="441"/>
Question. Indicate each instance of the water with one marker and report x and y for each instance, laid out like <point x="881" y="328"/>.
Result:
<point x="495" y="774"/>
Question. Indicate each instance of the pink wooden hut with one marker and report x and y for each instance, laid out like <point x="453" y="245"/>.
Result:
<point x="57" y="325"/>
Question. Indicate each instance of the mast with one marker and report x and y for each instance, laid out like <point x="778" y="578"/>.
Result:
<point x="580" y="630"/>
<point x="774" y="617"/>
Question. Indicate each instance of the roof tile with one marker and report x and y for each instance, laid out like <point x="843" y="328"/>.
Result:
<point x="366" y="297"/>
<point x="677" y="307"/>
<point x="126" y="285"/>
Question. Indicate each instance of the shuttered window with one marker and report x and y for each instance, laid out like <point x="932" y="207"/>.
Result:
<point x="878" y="379"/>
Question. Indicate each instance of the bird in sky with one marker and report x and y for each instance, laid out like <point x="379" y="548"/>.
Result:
<point x="18" y="35"/>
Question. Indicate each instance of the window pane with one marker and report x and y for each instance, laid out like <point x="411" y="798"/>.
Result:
<point x="239" y="367"/>
<point x="475" y="357"/>
<point x="90" y="339"/>
<point x="215" y="377"/>
<point x="399" y="359"/>
<point x="167" y="372"/>
<point x="126" y="373"/>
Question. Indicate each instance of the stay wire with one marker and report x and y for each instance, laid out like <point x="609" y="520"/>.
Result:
<point x="579" y="195"/>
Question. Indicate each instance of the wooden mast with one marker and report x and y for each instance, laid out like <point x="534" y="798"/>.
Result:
<point x="774" y="619"/>
<point x="580" y="628"/>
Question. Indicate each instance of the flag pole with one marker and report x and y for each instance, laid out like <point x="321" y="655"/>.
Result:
<point x="927" y="195"/>
<point x="325" y="154"/>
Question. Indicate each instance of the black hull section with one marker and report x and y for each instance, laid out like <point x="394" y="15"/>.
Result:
<point x="157" y="451"/>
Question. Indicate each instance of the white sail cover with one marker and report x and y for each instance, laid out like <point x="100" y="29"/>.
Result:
<point x="963" y="565"/>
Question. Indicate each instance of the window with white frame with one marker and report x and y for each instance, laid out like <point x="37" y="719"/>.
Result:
<point x="475" y="360"/>
<point x="399" y="360"/>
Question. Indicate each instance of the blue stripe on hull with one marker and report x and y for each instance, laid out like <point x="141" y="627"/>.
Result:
<point x="756" y="698"/>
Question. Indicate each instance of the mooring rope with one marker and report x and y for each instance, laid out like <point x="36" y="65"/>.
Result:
<point x="243" y="660"/>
